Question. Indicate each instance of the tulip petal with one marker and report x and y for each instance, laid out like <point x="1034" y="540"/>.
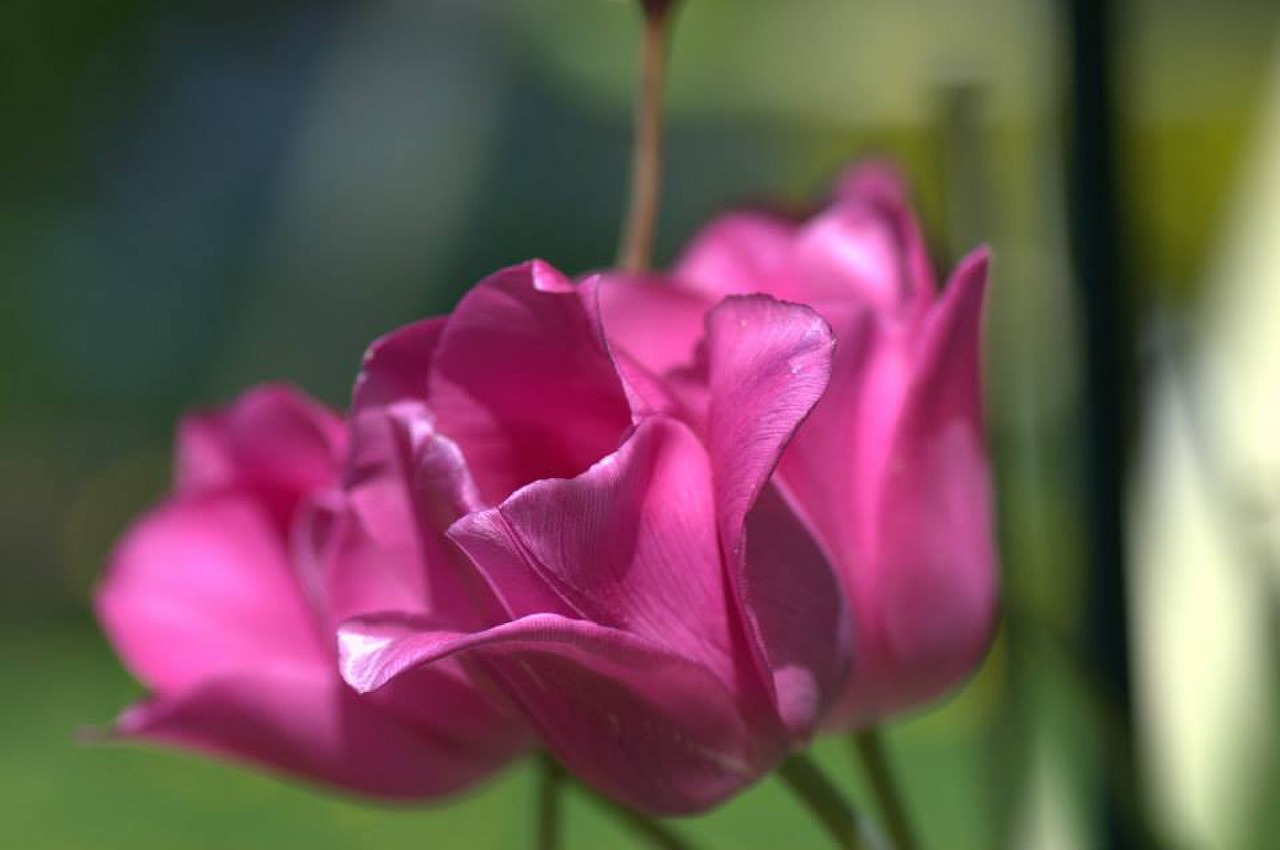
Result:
<point x="518" y="359"/>
<point x="867" y="254"/>
<point x="801" y="615"/>
<point x="736" y="254"/>
<point x="831" y="469"/>
<point x="397" y="365"/>
<point x="630" y="544"/>
<point x="202" y="586"/>
<point x="305" y="722"/>
<point x="655" y="322"/>
<point x="939" y="578"/>
<point x="272" y="439"/>
<point x="654" y="730"/>
<point x="768" y="364"/>
<point x="879" y="184"/>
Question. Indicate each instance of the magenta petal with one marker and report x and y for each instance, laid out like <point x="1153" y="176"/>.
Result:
<point x="519" y="358"/>
<point x="850" y="253"/>
<point x="736" y="254"/>
<point x="652" y="729"/>
<point x="862" y="254"/>
<point x="802" y="616"/>
<point x="397" y="365"/>
<point x="511" y="577"/>
<point x="656" y="322"/>
<point x="938" y="562"/>
<point x="875" y="181"/>
<point x="768" y="364"/>
<point x="203" y="586"/>
<point x="307" y="723"/>
<point x="630" y="544"/>
<point x="880" y="186"/>
<point x="832" y="467"/>
<point x="405" y="484"/>
<point x="647" y="393"/>
<point x="272" y="440"/>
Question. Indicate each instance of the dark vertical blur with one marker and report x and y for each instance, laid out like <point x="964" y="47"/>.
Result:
<point x="1107" y="318"/>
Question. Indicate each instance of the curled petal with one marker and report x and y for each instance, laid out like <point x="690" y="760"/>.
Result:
<point x="518" y="359"/>
<point x="768" y="364"/>
<point x="397" y="365"/>
<point x="831" y="469"/>
<point x="630" y="544"/>
<point x="655" y="322"/>
<point x="379" y="544"/>
<point x="646" y="726"/>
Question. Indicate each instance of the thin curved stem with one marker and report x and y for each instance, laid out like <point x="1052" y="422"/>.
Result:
<point x="824" y="800"/>
<point x="870" y="749"/>
<point x="550" y="781"/>
<point x="636" y="250"/>
<point x="654" y="831"/>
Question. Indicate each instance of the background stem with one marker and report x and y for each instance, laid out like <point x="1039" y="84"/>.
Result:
<point x="870" y="749"/>
<point x="654" y="831"/>
<point x="636" y="250"/>
<point x="824" y="800"/>
<point x="550" y="780"/>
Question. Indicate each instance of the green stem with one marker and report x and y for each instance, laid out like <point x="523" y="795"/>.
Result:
<point x="654" y="831"/>
<point x="550" y="780"/>
<point x="636" y="250"/>
<point x="824" y="800"/>
<point x="870" y="748"/>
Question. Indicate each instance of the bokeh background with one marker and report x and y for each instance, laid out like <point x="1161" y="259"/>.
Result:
<point x="195" y="196"/>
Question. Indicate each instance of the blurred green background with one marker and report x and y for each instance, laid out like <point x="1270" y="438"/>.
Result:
<point x="197" y="196"/>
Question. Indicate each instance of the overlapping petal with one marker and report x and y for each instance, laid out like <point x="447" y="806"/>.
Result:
<point x="768" y="364"/>
<point x="637" y="721"/>
<point x="273" y="441"/>
<point x="201" y="587"/>
<point x="935" y="548"/>
<point x="629" y="584"/>
<point x="221" y="602"/>
<point x="519" y="359"/>
<point x="305" y="722"/>
<point x="739" y="253"/>
<point x="887" y="481"/>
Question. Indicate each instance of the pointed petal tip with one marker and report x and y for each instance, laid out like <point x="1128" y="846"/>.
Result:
<point x="976" y="264"/>
<point x="547" y="278"/>
<point x="876" y="180"/>
<point x="359" y="658"/>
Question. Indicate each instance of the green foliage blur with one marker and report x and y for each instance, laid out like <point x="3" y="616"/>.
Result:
<point x="198" y="196"/>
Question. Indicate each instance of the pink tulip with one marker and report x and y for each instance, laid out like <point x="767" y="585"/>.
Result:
<point x="210" y="606"/>
<point x="665" y="651"/>
<point x="890" y="471"/>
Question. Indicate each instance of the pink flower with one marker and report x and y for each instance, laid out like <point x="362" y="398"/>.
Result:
<point x="890" y="471"/>
<point x="206" y="600"/>
<point x="665" y="652"/>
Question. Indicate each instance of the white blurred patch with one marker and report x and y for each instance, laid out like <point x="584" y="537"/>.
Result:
<point x="1203" y="552"/>
<point x="1048" y="821"/>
